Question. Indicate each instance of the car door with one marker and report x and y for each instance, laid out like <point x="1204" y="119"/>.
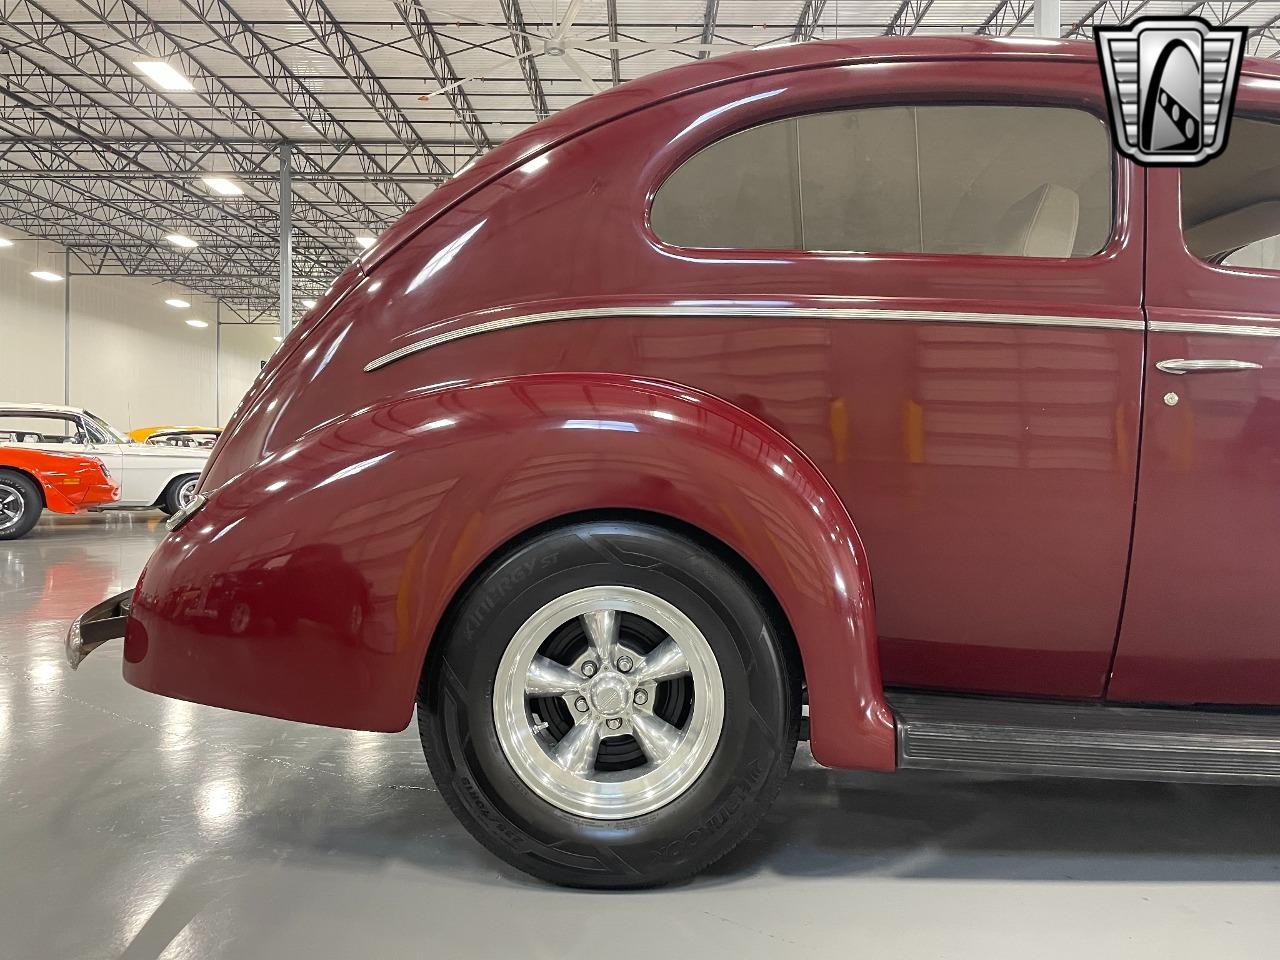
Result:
<point x="1202" y="614"/>
<point x="970" y="245"/>
<point x="989" y="454"/>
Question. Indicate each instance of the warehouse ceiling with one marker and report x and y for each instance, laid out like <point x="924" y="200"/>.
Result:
<point x="380" y="101"/>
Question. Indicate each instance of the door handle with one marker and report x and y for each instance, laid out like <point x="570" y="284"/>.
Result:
<point x="1180" y="367"/>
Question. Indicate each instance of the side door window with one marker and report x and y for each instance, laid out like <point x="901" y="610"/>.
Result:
<point x="40" y="429"/>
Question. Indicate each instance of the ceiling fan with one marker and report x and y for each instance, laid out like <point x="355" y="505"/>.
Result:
<point x="561" y="45"/>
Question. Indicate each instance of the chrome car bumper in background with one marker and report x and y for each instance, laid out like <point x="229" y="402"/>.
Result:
<point x="100" y="623"/>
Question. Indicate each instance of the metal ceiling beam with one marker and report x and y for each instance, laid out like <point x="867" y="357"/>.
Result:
<point x="528" y="67"/>
<point x="88" y="113"/>
<point x="1102" y="13"/>
<point x="1266" y="31"/>
<point x="137" y="205"/>
<point x="1007" y="17"/>
<point x="807" y="23"/>
<point x="186" y="176"/>
<point x="1218" y="11"/>
<point x="235" y="35"/>
<point x="339" y="45"/>
<point x="134" y="24"/>
<point x="423" y="33"/>
<point x="68" y="224"/>
<point x="908" y="17"/>
<point x="317" y="148"/>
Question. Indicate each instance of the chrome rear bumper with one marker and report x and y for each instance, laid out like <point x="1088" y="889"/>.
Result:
<point x="100" y="623"/>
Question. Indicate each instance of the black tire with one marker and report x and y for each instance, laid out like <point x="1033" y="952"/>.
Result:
<point x="169" y="502"/>
<point x="30" y="504"/>
<point x="720" y="808"/>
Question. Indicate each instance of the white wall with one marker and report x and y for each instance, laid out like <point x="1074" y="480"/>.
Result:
<point x="134" y="361"/>
<point x="30" y="328"/>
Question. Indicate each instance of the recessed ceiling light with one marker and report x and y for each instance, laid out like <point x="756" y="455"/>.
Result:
<point x="5" y="242"/>
<point x="309" y="304"/>
<point x="47" y="275"/>
<point x="196" y="323"/>
<point x="366" y="241"/>
<point x="179" y="240"/>
<point x="163" y="74"/>
<point x="224" y="186"/>
<point x="179" y="303"/>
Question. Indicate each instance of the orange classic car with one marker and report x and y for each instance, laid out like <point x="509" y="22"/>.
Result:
<point x="35" y="480"/>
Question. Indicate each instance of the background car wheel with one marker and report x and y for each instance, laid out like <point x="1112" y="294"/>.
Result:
<point x="20" y="505"/>
<point x="609" y="705"/>
<point x="179" y="493"/>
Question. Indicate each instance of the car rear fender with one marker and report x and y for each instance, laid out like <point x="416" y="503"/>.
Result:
<point x="410" y="496"/>
<point x="51" y="498"/>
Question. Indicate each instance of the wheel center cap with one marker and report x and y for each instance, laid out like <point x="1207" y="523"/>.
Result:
<point x="610" y="695"/>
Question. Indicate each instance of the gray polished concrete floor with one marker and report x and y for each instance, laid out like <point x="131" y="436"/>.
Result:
<point x="139" y="827"/>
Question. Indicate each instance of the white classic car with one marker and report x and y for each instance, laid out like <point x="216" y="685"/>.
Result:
<point x="149" y="475"/>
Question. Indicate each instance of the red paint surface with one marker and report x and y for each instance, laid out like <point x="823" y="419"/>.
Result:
<point x="1203" y="606"/>
<point x="987" y="470"/>
<point x="70" y="482"/>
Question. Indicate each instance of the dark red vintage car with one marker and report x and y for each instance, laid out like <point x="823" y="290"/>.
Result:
<point x="861" y="375"/>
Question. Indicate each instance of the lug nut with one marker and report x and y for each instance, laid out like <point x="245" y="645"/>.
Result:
<point x="580" y="705"/>
<point x="589" y="668"/>
<point x="641" y="698"/>
<point x="614" y="723"/>
<point x="625" y="664"/>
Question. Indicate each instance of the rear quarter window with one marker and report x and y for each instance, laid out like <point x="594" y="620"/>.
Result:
<point x="958" y="179"/>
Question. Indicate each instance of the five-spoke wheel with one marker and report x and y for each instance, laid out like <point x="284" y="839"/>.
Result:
<point x="608" y="702"/>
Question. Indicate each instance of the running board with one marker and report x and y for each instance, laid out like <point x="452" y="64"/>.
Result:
<point x="1053" y="738"/>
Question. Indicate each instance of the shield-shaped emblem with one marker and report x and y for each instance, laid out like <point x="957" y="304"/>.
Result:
<point x="1171" y="83"/>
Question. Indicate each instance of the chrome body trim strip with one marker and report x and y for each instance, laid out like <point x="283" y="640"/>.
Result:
<point x="1219" y="329"/>
<point x="704" y="309"/>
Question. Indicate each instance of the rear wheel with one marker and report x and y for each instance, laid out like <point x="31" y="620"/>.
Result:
<point x="20" y="505"/>
<point x="610" y="707"/>
<point x="179" y="493"/>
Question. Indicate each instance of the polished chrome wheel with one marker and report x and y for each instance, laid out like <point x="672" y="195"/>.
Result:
<point x="187" y="492"/>
<point x="608" y="702"/>
<point x="12" y="506"/>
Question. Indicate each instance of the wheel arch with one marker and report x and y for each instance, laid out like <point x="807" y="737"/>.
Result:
<point x="732" y="558"/>
<point x="838" y="660"/>
<point x="169" y="484"/>
<point x="36" y="481"/>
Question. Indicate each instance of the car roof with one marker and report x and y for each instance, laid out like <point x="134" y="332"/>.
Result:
<point x="654" y="88"/>
<point x="40" y="407"/>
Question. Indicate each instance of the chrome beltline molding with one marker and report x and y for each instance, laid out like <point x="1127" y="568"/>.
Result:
<point x="703" y="309"/>
<point x="1220" y="329"/>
